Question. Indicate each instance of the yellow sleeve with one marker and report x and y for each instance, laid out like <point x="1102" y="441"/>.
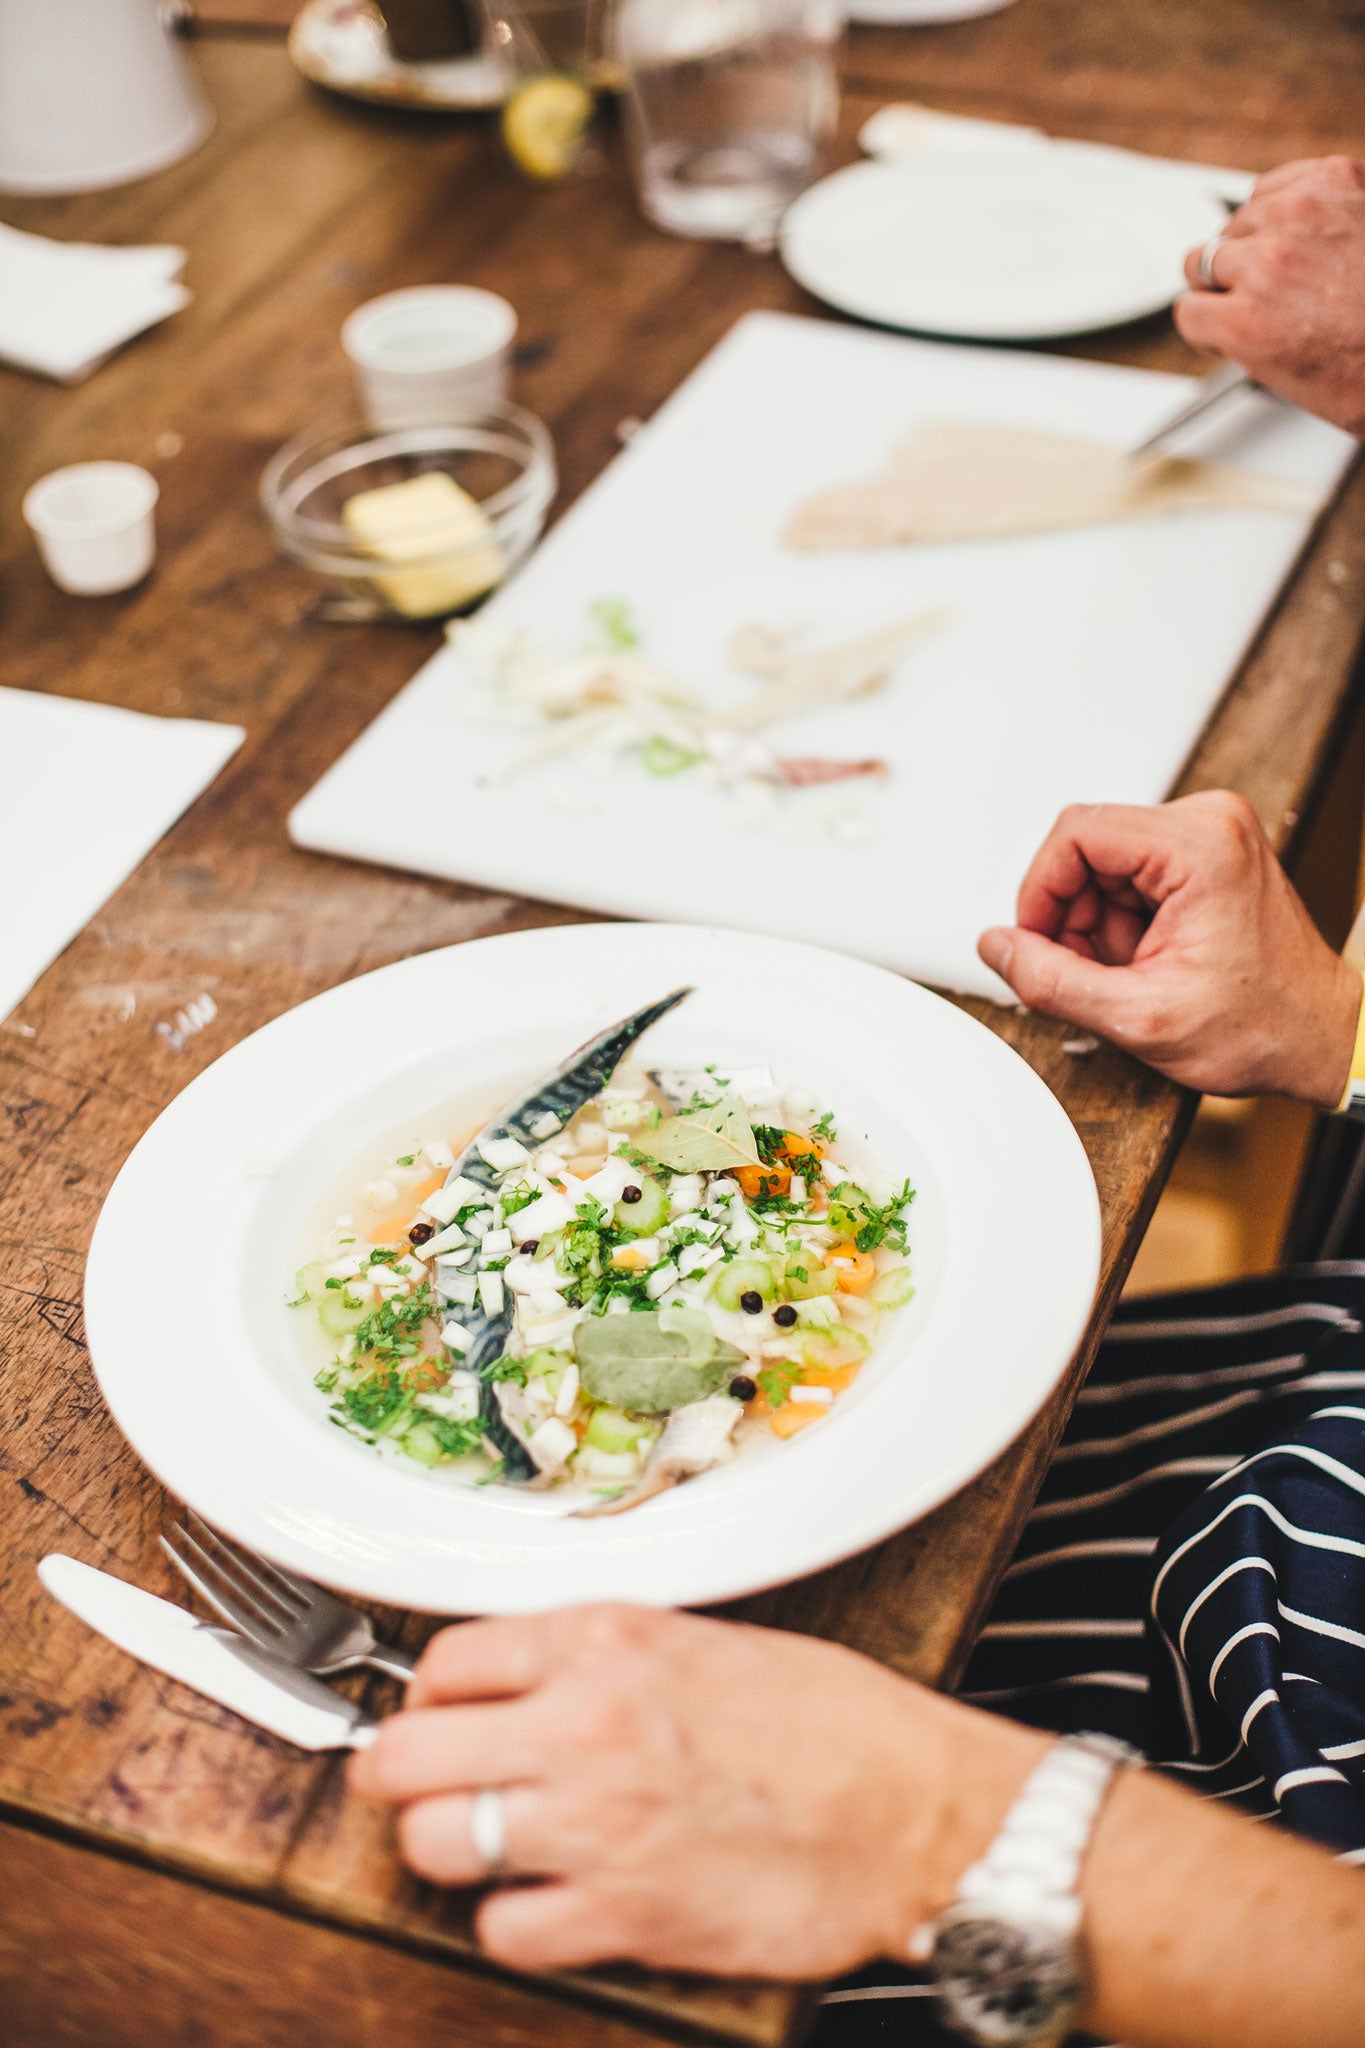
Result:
<point x="1355" y="1086"/>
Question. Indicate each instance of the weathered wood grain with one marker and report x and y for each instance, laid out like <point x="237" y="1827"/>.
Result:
<point x="299" y="208"/>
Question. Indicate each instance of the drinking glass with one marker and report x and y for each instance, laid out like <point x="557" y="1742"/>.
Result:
<point x="731" y="104"/>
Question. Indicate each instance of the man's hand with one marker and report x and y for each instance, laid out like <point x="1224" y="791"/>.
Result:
<point x="694" y="1794"/>
<point x="1291" y="308"/>
<point x="1176" y="933"/>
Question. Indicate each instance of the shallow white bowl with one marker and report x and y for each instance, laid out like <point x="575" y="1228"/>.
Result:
<point x="195" y="1252"/>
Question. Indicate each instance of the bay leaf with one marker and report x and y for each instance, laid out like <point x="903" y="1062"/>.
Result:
<point x="715" y="1140"/>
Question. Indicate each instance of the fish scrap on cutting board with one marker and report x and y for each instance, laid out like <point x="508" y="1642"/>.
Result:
<point x="964" y="481"/>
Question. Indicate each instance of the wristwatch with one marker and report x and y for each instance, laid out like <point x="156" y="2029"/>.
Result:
<point x="1007" y="1956"/>
<point x="1352" y="1103"/>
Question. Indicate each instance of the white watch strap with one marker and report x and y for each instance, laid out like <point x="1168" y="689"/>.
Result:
<point x="1031" y="1871"/>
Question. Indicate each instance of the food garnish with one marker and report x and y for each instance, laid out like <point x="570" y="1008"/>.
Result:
<point x="621" y="1280"/>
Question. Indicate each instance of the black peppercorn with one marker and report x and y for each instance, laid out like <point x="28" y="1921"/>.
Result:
<point x="530" y="1248"/>
<point x="743" y="1388"/>
<point x="751" y="1301"/>
<point x="785" y="1316"/>
<point x="420" y="1233"/>
<point x="632" y="1194"/>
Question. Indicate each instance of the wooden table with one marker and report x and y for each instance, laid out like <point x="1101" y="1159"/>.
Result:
<point x="170" y="1876"/>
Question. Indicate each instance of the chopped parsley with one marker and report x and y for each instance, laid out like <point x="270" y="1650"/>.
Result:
<point x="457" y="1439"/>
<point x="616" y="629"/>
<point x="375" y="1400"/>
<point x="823" y="1128"/>
<point x="775" y="1382"/>
<point x="408" y="1159"/>
<point x="390" y="1330"/>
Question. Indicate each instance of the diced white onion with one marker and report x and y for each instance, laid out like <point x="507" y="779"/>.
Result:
<point x="460" y="1289"/>
<point x="497" y="1244"/>
<point x="439" y="1153"/>
<point x="551" y="1443"/>
<point x="547" y="1125"/>
<point x="548" y="1213"/>
<point x="380" y="1193"/>
<point x="610" y="1182"/>
<point x="552" y="1333"/>
<point x="797" y="1190"/>
<point x="699" y="1258"/>
<point x="455" y="1337"/>
<point x="458" y="1399"/>
<point x="470" y="1192"/>
<point x="685" y="1190"/>
<point x="444" y="1204"/>
<point x="568" y="1391"/>
<point x="479" y="1223"/>
<point x="445" y="1241"/>
<point x="546" y="1301"/>
<point x="813" y="1397"/>
<point x="342" y="1269"/>
<point x="491" y="1293"/>
<point x="502" y="1154"/>
<point x="659" y="1282"/>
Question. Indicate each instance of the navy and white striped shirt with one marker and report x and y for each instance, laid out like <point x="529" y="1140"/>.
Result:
<point x="1193" y="1576"/>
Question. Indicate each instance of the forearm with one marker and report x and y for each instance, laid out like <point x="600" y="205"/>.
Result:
<point x="1205" y="1930"/>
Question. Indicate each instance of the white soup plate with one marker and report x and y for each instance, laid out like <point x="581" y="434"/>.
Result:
<point x="209" y="1373"/>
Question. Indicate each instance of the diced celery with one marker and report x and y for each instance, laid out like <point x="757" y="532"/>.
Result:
<point x="831" y="1348"/>
<point x="805" y="1277"/>
<point x="422" y="1443"/>
<point x="740" y="1277"/>
<point x="339" y="1313"/>
<point x="891" y="1289"/>
<point x="611" y="1429"/>
<point x="647" y="1215"/>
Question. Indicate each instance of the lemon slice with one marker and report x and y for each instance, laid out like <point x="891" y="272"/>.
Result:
<point x="543" y="124"/>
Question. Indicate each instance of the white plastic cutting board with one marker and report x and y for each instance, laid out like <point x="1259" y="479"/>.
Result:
<point x="1073" y="666"/>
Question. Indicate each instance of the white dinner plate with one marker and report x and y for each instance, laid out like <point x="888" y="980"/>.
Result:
<point x="1000" y="245"/>
<point x="207" y="1372"/>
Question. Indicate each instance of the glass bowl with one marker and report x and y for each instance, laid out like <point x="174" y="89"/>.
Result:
<point x="413" y="559"/>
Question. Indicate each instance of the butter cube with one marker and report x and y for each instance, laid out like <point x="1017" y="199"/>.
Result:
<point x="428" y="521"/>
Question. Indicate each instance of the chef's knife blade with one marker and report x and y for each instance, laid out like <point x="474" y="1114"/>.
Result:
<point x="213" y="1661"/>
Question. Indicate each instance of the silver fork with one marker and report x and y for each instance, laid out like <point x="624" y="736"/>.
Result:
<point x="288" y="1616"/>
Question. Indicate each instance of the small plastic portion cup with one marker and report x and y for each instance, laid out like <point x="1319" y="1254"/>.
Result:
<point x="430" y="354"/>
<point x="94" y="526"/>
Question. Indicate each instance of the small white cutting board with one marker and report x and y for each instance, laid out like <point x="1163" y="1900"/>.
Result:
<point x="1077" y="666"/>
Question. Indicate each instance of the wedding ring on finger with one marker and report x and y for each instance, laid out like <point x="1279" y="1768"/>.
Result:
<point x="488" y="1831"/>
<point x="1208" y="257"/>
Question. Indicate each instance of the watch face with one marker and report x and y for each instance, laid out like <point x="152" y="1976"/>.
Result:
<point x="1002" y="1984"/>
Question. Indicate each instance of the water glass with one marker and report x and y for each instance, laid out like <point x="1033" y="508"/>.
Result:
<point x="731" y="104"/>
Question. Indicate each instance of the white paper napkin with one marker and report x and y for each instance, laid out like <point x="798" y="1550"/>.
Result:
<point x="907" y="129"/>
<point x="89" y="790"/>
<point x="65" y="305"/>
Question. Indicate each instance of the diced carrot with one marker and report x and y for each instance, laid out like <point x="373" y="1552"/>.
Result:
<point x="839" y="1378"/>
<point x="628" y="1258"/>
<point x="794" y="1415"/>
<point x="764" y="1180"/>
<point x="424" y="1376"/>
<point x="794" y="1146"/>
<point x="856" y="1270"/>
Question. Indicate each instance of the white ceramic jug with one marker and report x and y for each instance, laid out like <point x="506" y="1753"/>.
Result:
<point x="92" y="93"/>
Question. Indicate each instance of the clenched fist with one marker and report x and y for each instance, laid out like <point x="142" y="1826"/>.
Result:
<point x="1290" y="306"/>
<point x="1176" y="933"/>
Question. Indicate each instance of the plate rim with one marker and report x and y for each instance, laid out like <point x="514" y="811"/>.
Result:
<point x="880" y="1518"/>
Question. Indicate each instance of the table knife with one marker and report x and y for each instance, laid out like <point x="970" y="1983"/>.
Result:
<point x="213" y="1661"/>
<point x="1211" y="391"/>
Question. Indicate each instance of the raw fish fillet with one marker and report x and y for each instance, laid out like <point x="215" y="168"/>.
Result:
<point x="962" y="481"/>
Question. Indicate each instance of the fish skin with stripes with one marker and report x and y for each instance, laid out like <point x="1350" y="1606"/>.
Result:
<point x="1192" y="1579"/>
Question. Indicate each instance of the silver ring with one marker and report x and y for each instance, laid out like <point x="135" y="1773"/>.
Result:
<point x="488" y="1831"/>
<point x="1208" y="256"/>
